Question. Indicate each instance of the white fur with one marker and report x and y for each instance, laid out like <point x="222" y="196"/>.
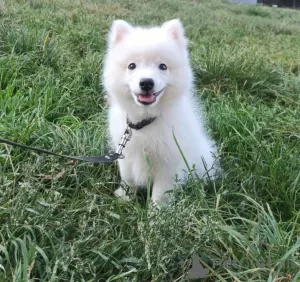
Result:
<point x="175" y="108"/>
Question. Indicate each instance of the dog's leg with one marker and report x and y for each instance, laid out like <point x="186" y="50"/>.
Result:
<point x="126" y="176"/>
<point x="162" y="183"/>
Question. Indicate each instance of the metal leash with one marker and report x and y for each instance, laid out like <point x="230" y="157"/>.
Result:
<point x="125" y="138"/>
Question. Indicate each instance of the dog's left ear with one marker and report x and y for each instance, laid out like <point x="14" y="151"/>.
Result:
<point x="175" y="31"/>
<point x="118" y="31"/>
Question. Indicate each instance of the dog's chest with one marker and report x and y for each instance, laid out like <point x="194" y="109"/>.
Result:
<point x="150" y="145"/>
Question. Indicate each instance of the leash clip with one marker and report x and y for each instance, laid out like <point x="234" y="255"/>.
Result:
<point x="125" y="138"/>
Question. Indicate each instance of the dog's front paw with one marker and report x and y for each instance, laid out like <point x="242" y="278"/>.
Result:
<point x="162" y="200"/>
<point x="121" y="194"/>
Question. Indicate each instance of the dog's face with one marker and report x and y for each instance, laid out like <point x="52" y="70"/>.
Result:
<point x="145" y="66"/>
<point x="147" y="79"/>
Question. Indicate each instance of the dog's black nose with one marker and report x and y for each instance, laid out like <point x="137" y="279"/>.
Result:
<point x="146" y="84"/>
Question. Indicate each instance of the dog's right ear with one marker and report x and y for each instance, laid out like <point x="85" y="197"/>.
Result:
<point x="118" y="30"/>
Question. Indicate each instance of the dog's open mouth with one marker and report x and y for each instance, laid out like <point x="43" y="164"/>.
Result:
<point x="149" y="98"/>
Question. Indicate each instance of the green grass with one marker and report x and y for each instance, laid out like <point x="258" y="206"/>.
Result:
<point x="61" y="222"/>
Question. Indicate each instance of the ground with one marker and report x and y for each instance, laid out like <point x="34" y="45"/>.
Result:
<point x="59" y="221"/>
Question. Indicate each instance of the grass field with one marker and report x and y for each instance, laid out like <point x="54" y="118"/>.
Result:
<point x="59" y="221"/>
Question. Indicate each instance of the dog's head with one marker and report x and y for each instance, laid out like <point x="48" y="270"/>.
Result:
<point x="147" y="66"/>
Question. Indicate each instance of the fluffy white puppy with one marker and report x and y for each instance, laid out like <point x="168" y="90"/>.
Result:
<point x="149" y="81"/>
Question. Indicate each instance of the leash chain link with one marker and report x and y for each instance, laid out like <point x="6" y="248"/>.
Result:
<point x="125" y="138"/>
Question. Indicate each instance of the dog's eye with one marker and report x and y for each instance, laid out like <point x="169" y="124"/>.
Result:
<point x="132" y="66"/>
<point x="162" y="67"/>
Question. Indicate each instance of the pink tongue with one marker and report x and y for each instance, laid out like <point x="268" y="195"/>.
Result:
<point x="146" y="98"/>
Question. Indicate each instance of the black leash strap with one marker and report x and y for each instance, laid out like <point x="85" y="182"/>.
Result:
<point x="109" y="158"/>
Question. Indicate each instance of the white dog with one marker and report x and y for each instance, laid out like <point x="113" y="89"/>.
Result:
<point x="149" y="81"/>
